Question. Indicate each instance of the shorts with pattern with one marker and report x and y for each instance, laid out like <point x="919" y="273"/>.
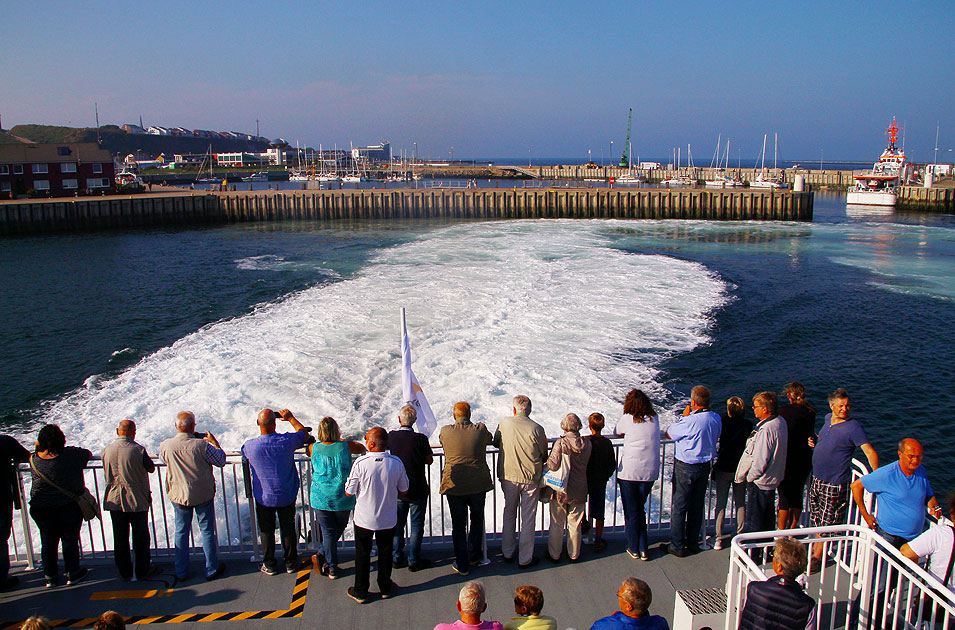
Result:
<point x="828" y="503"/>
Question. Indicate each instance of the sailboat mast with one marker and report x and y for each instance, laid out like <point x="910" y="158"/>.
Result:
<point x="762" y="155"/>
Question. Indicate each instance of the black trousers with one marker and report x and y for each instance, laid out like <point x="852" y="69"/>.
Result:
<point x="123" y="522"/>
<point x="363" y="541"/>
<point x="6" y="521"/>
<point x="461" y="537"/>
<point x="59" y="525"/>
<point x="265" y="517"/>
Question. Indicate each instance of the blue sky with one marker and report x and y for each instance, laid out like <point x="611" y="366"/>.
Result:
<point x="492" y="79"/>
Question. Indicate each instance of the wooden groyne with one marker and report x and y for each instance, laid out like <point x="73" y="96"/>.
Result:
<point x="326" y="205"/>
<point x="920" y="198"/>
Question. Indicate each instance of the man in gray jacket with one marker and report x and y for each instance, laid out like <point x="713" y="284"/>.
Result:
<point x="126" y="466"/>
<point x="763" y="464"/>
<point x="523" y="451"/>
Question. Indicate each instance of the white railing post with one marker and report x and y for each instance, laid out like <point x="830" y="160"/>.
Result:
<point x="25" y="520"/>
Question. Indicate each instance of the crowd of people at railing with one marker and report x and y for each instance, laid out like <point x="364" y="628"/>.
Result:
<point x="384" y="492"/>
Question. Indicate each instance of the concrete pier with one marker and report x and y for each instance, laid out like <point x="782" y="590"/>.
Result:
<point x="919" y="198"/>
<point x="56" y="215"/>
<point x="817" y="178"/>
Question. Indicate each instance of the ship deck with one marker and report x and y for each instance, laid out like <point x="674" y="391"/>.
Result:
<point x="574" y="594"/>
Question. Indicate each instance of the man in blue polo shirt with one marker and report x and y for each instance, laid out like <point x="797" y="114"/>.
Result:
<point x="275" y="485"/>
<point x="695" y="437"/>
<point x="902" y="490"/>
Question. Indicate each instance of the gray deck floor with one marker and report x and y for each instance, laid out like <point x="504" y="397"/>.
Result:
<point x="575" y="595"/>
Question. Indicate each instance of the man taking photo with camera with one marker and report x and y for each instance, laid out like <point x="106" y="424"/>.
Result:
<point x="275" y="484"/>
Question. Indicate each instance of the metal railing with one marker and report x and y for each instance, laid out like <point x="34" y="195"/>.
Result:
<point x="864" y="582"/>
<point x="235" y="510"/>
<point x="870" y="584"/>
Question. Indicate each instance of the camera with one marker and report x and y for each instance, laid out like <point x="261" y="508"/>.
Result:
<point x="200" y="435"/>
<point x="311" y="438"/>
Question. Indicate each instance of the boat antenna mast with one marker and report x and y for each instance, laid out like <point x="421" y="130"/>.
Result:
<point x="624" y="160"/>
<point x="893" y="132"/>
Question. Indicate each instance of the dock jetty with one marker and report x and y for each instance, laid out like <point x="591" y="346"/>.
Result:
<point x="200" y="207"/>
<point x="922" y="199"/>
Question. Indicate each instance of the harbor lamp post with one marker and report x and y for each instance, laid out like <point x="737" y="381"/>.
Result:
<point x="610" y="160"/>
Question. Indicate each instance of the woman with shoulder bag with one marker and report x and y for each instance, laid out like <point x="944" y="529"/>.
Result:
<point x="570" y="452"/>
<point x="54" y="509"/>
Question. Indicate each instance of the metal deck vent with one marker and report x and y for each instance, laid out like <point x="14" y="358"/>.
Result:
<point x="699" y="609"/>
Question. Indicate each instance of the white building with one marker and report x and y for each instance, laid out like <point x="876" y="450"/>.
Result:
<point x="239" y="159"/>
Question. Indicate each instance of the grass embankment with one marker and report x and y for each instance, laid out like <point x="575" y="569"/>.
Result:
<point x="118" y="142"/>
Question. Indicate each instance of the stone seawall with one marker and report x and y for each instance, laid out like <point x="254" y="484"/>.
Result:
<point x="919" y="198"/>
<point x="185" y="208"/>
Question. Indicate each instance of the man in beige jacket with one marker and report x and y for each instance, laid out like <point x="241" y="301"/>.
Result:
<point x="126" y="466"/>
<point x="191" y="487"/>
<point x="523" y="451"/>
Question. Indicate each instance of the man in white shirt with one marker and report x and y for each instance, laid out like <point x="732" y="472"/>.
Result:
<point x="375" y="481"/>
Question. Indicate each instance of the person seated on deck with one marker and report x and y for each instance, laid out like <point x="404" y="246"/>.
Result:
<point x="528" y="604"/>
<point x="472" y="602"/>
<point x="110" y="620"/>
<point x="779" y="603"/>
<point x="938" y="545"/>
<point x="634" y="597"/>
<point x="36" y="623"/>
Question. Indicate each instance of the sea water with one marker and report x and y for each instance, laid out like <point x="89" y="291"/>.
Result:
<point x="225" y="321"/>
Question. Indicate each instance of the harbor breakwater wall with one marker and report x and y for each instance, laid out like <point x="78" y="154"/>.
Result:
<point x="183" y="208"/>
<point x="817" y="178"/>
<point x="920" y="198"/>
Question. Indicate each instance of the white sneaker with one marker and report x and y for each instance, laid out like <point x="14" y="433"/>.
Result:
<point x="718" y="544"/>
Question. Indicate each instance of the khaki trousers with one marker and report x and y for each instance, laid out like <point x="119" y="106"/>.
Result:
<point x="565" y="516"/>
<point x="524" y="496"/>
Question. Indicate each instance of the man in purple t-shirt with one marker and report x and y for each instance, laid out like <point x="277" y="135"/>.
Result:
<point x="832" y="467"/>
<point x="275" y="485"/>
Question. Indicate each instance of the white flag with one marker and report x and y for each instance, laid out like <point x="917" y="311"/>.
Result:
<point x="410" y="390"/>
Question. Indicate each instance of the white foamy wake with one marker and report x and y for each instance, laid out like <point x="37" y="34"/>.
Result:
<point x="266" y="261"/>
<point x="548" y="309"/>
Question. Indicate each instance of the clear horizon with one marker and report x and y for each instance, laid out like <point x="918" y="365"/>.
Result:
<point x="528" y="81"/>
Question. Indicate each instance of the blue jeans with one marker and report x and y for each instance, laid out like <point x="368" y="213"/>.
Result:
<point x="689" y="501"/>
<point x="206" y="517"/>
<point x="417" y="509"/>
<point x="468" y="541"/>
<point x="332" y="523"/>
<point x="633" y="495"/>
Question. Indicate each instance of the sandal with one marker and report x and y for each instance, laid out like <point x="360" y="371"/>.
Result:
<point x="599" y="545"/>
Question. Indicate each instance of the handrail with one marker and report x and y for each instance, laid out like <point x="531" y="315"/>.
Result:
<point x="865" y="564"/>
<point x="875" y="583"/>
<point x="235" y="509"/>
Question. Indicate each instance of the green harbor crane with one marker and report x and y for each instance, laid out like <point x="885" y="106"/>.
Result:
<point x="624" y="160"/>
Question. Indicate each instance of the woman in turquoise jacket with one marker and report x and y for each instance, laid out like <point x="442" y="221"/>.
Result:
<point x="331" y="463"/>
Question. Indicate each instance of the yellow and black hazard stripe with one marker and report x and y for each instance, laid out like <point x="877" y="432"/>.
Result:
<point x="295" y="609"/>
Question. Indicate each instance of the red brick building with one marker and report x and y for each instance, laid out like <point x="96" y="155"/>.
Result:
<point x="28" y="169"/>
